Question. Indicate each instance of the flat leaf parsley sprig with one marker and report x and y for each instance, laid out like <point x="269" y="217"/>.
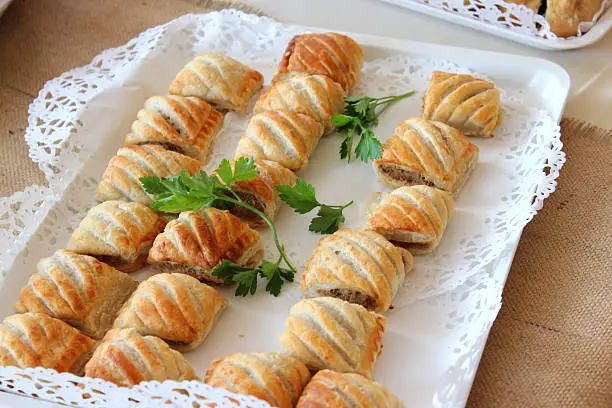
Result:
<point x="360" y="115"/>
<point x="302" y="199"/>
<point x="190" y="193"/>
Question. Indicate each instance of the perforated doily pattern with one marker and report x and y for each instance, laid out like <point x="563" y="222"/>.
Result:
<point x="461" y="288"/>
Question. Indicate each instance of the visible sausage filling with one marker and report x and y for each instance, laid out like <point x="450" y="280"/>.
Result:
<point x="350" y="296"/>
<point x="167" y="146"/>
<point x="244" y="213"/>
<point x="409" y="178"/>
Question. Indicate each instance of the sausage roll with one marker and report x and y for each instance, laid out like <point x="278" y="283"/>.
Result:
<point x="326" y="332"/>
<point x="468" y="104"/>
<point x="121" y="180"/>
<point x="118" y="233"/>
<point x="77" y="289"/>
<point x="331" y="54"/>
<point x="413" y="217"/>
<point x="282" y="136"/>
<point x="329" y="388"/>
<point x="273" y="377"/>
<point x="198" y="241"/>
<point x="36" y="340"/>
<point x="219" y="80"/>
<point x="564" y="16"/>
<point x="174" y="307"/>
<point x="185" y="125"/>
<point x="357" y="266"/>
<point x="127" y="358"/>
<point x="261" y="192"/>
<point x="314" y="95"/>
<point x="426" y="152"/>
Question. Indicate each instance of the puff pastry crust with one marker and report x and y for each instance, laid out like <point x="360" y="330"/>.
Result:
<point x="564" y="16"/>
<point x="314" y="95"/>
<point x="36" y="340"/>
<point x="78" y="289"/>
<point x="261" y="192"/>
<point x="357" y="266"/>
<point x="219" y="80"/>
<point x="273" y="377"/>
<point x="187" y="125"/>
<point x="198" y="241"/>
<point x="326" y="332"/>
<point x="414" y="217"/>
<point x="176" y="307"/>
<point x="127" y="358"/>
<point x="121" y="180"/>
<point x="468" y="104"/>
<point x="282" y="136"/>
<point x="331" y="54"/>
<point x="329" y="388"/>
<point x="426" y="152"/>
<point x="118" y="233"/>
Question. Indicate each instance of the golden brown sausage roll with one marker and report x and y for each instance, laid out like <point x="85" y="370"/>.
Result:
<point x="174" y="307"/>
<point x="357" y="266"/>
<point x="314" y="95"/>
<point x="468" y="104"/>
<point x="219" y="80"/>
<point x="331" y="54"/>
<point x="36" y="340"/>
<point x="273" y="377"/>
<point x="127" y="358"/>
<point x="261" y="192"/>
<point x="345" y="390"/>
<point x="121" y="180"/>
<point x="118" y="233"/>
<point x="326" y="332"/>
<point x="77" y="289"/>
<point x="282" y="136"/>
<point x="564" y="16"/>
<point x="198" y="241"/>
<point x="426" y="152"/>
<point x="185" y="125"/>
<point x="414" y="217"/>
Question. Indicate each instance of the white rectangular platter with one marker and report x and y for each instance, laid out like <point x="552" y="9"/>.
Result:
<point x="594" y="34"/>
<point x="441" y="318"/>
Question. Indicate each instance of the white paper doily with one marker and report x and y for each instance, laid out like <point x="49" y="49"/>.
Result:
<point x="448" y="303"/>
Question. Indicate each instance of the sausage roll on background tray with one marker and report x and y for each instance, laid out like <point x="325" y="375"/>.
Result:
<point x="186" y="125"/>
<point x="121" y="180"/>
<point x="283" y="136"/>
<point x="426" y="152"/>
<point x="314" y="95"/>
<point x="118" y="233"/>
<point x="346" y="390"/>
<point x="357" y="266"/>
<point x="273" y="377"/>
<point x="331" y="54"/>
<point x="414" y="217"/>
<point x="468" y="104"/>
<point x="219" y="80"/>
<point x="36" y="340"/>
<point x="198" y="241"/>
<point x="77" y="289"/>
<point x="127" y="358"/>
<point x="174" y="307"/>
<point x="261" y="192"/>
<point x="326" y="332"/>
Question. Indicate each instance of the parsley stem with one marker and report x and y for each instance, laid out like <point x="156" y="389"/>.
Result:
<point x="279" y="247"/>
<point x="340" y="207"/>
<point x="391" y="101"/>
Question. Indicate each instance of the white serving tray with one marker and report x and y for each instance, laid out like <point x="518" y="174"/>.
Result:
<point x="596" y="33"/>
<point x="432" y="363"/>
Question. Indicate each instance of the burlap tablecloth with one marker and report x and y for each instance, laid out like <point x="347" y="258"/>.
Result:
<point x="551" y="345"/>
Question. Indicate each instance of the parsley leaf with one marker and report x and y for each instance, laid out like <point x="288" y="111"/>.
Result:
<point x="276" y="276"/>
<point x="302" y="199"/>
<point x="359" y="116"/>
<point x="191" y="193"/>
